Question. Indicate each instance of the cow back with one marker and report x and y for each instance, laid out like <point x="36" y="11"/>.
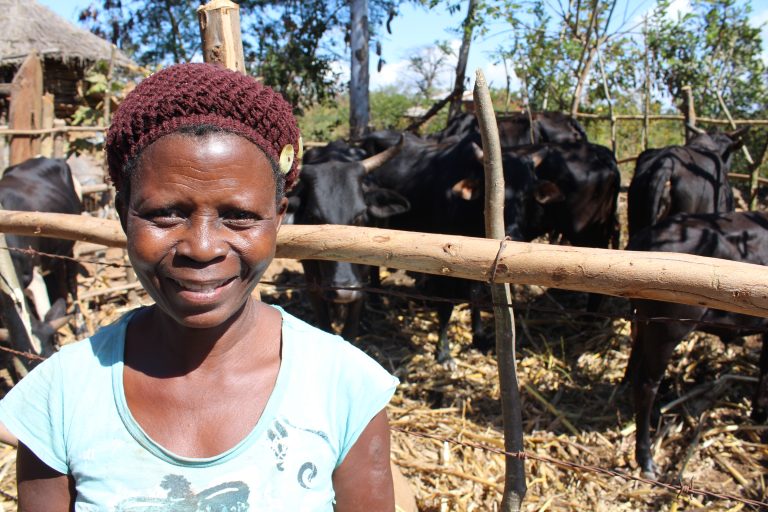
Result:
<point x="677" y="179"/>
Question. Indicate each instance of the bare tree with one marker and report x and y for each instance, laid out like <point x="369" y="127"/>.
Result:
<point x="428" y="66"/>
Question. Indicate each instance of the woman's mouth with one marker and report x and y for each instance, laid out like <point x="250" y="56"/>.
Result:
<point x="201" y="290"/>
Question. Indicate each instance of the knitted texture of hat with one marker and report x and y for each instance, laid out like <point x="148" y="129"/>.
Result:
<point x="197" y="94"/>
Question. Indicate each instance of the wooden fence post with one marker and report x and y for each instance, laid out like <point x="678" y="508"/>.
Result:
<point x="511" y="408"/>
<point x="46" y="123"/>
<point x="690" y="110"/>
<point x="26" y="108"/>
<point x="59" y="139"/>
<point x="220" y="32"/>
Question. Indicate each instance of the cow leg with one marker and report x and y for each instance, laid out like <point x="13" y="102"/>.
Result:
<point x="760" y="400"/>
<point x="374" y="277"/>
<point x="352" y="321"/>
<point x="444" y="311"/>
<point x="321" y="310"/>
<point x="320" y="306"/>
<point x="482" y="342"/>
<point x="654" y="343"/>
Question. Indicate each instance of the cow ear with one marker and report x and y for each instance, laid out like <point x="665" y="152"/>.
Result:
<point x="548" y="192"/>
<point x="468" y="189"/>
<point x="383" y="203"/>
<point x="538" y="157"/>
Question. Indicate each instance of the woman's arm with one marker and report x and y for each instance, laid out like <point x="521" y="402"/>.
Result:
<point x="363" y="481"/>
<point x="40" y="488"/>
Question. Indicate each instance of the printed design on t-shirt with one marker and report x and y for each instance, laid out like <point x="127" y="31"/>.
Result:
<point x="279" y="442"/>
<point x="229" y="496"/>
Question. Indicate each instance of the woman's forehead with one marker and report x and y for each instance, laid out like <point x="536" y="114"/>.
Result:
<point x="215" y="157"/>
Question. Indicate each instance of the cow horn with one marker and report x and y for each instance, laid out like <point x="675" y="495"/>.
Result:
<point x="58" y="323"/>
<point x="738" y="133"/>
<point x="374" y="162"/>
<point x="478" y="152"/>
<point x="4" y="335"/>
<point x="695" y="129"/>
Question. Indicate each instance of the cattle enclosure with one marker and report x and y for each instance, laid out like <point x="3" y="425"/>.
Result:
<point x="584" y="404"/>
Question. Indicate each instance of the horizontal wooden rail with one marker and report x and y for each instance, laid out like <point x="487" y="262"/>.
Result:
<point x="723" y="284"/>
<point x="98" y="188"/>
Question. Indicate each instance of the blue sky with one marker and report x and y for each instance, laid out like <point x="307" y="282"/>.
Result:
<point x="415" y="28"/>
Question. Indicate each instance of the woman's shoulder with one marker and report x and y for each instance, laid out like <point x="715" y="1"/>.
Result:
<point x="104" y="346"/>
<point x="320" y="351"/>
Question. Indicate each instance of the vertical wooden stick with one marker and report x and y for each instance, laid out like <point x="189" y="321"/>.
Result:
<point x="690" y="110"/>
<point x="46" y="143"/>
<point x="220" y="32"/>
<point x="108" y="92"/>
<point x="647" y="88"/>
<point x="514" y="483"/>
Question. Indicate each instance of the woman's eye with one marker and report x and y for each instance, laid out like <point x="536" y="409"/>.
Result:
<point x="240" y="218"/>
<point x="164" y="215"/>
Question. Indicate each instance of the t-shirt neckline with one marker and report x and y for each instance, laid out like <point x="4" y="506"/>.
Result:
<point x="264" y="422"/>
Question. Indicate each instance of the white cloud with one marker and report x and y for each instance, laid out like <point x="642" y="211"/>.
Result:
<point x="678" y="8"/>
<point x="391" y="74"/>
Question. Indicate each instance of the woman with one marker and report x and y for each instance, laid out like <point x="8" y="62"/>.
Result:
<point x="209" y="399"/>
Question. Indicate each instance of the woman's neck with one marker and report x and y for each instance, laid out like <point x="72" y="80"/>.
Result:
<point x="159" y="346"/>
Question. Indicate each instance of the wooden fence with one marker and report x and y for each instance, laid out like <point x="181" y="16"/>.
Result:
<point x="687" y="279"/>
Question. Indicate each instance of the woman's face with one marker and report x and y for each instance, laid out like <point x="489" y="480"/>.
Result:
<point x="201" y="222"/>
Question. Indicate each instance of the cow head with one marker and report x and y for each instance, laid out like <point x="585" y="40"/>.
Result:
<point x="335" y="193"/>
<point x="721" y="143"/>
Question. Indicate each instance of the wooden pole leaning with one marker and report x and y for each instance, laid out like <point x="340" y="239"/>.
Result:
<point x="220" y="33"/>
<point x="504" y="319"/>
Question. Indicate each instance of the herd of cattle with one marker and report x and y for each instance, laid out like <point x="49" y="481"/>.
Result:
<point x="556" y="183"/>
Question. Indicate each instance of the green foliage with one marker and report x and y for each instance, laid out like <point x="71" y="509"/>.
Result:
<point x="388" y="106"/>
<point x="157" y="32"/>
<point x="326" y="121"/>
<point x="713" y="49"/>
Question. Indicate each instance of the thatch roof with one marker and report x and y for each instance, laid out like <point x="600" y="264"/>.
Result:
<point x="26" y="25"/>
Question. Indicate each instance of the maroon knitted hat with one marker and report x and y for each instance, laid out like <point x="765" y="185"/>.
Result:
<point x="194" y="94"/>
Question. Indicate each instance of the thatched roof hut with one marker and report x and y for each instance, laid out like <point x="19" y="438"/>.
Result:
<point x="65" y="49"/>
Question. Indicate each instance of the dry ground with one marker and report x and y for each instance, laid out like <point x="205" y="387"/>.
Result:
<point x="569" y="371"/>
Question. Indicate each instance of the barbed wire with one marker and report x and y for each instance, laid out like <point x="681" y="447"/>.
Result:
<point x="680" y="488"/>
<point x="33" y="252"/>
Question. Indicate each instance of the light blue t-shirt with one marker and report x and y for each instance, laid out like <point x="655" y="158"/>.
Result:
<point x="72" y="413"/>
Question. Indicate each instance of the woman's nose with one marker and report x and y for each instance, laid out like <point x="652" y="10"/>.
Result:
<point x="202" y="241"/>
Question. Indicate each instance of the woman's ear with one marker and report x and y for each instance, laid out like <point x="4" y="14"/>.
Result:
<point x="282" y="209"/>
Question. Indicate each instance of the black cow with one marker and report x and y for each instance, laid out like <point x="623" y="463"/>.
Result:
<point x="43" y="184"/>
<point x="733" y="236"/>
<point x="569" y="189"/>
<point x="682" y="179"/>
<point x="335" y="151"/>
<point x="515" y="129"/>
<point x="333" y="192"/>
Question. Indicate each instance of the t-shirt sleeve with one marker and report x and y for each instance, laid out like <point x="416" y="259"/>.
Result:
<point x="33" y="412"/>
<point x="369" y="389"/>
